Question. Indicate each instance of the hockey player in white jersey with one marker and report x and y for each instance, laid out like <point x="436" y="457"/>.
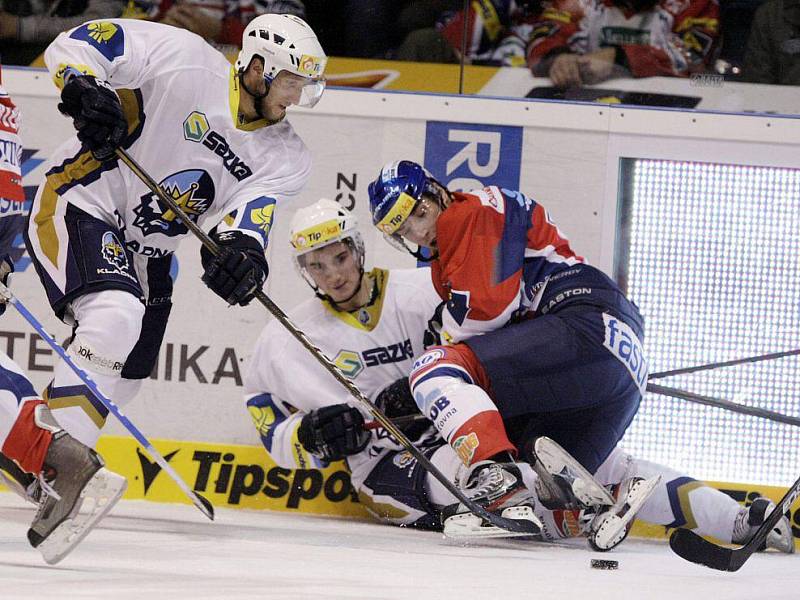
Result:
<point x="213" y="135"/>
<point x="371" y="324"/>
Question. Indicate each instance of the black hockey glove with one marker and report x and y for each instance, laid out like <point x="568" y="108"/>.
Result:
<point x="238" y="271"/>
<point x="96" y="113"/>
<point x="433" y="334"/>
<point x="395" y="400"/>
<point x="333" y="432"/>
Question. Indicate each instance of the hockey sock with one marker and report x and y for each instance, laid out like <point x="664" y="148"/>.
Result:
<point x="678" y="500"/>
<point x="465" y="416"/>
<point x="28" y="441"/>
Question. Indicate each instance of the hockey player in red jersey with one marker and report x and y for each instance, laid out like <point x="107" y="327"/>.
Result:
<point x="538" y="343"/>
<point x="42" y="461"/>
<point x="576" y="42"/>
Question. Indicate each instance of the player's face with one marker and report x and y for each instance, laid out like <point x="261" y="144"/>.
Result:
<point x="284" y="91"/>
<point x="420" y="226"/>
<point x="335" y="270"/>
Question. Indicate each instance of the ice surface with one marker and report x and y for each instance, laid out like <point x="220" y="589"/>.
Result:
<point x="146" y="550"/>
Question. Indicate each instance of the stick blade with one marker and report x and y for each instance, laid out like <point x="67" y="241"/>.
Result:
<point x="690" y="546"/>
<point x="204" y="505"/>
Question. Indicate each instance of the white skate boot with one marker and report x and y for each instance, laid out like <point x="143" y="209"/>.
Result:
<point x="497" y="487"/>
<point x="609" y="526"/>
<point x="749" y="519"/>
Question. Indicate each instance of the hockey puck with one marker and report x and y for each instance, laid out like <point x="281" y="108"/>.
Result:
<point x="604" y="565"/>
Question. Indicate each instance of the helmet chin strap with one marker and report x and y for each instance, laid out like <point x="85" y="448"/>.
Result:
<point x="257" y="100"/>
<point x="248" y="90"/>
<point x="337" y="305"/>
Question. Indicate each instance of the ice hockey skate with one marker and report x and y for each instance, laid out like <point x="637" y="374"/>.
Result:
<point x="563" y="483"/>
<point x="610" y="525"/>
<point x="749" y="519"/>
<point x="76" y="491"/>
<point x="498" y="487"/>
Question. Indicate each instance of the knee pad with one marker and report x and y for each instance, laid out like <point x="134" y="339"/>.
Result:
<point x="450" y="388"/>
<point x="108" y="326"/>
<point x="458" y="362"/>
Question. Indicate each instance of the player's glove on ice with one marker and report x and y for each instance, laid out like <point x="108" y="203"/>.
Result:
<point x="238" y="271"/>
<point x="333" y="432"/>
<point x="96" y="113"/>
<point x="396" y="400"/>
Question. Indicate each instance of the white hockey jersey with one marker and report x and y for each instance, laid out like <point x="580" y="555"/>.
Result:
<point x="180" y="97"/>
<point x="374" y="347"/>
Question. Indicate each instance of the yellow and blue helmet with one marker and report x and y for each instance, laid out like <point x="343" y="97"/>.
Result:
<point x="394" y="195"/>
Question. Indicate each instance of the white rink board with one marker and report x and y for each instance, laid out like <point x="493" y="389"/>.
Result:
<point x="566" y="156"/>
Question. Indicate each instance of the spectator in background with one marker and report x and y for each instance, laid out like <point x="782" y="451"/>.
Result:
<point x="497" y="32"/>
<point x="28" y="26"/>
<point x="420" y="26"/>
<point x="773" y="48"/>
<point x="220" y="22"/>
<point x="577" y="42"/>
<point x="373" y="27"/>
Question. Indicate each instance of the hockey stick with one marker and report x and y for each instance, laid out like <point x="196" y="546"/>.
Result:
<point x="204" y="505"/>
<point x="517" y="526"/>
<point x="729" y="363"/>
<point x="690" y="546"/>
<point x="398" y="421"/>
<point x="720" y="403"/>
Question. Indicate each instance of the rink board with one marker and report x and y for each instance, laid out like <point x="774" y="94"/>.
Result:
<point x="246" y="477"/>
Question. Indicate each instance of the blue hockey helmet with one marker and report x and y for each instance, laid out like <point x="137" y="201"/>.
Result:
<point x="393" y="196"/>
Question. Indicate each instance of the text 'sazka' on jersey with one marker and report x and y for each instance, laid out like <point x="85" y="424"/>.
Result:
<point x="672" y="39"/>
<point x="373" y="347"/>
<point x="498" y="249"/>
<point x="180" y="97"/>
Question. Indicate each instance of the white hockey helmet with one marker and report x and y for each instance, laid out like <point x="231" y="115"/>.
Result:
<point x="285" y="43"/>
<point x="321" y="224"/>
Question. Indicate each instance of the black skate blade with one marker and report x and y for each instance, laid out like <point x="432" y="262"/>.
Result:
<point x="34" y="538"/>
<point x="204" y="505"/>
<point x="690" y="546"/>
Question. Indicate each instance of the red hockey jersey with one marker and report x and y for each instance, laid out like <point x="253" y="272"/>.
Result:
<point x="10" y="150"/>
<point x="497" y="249"/>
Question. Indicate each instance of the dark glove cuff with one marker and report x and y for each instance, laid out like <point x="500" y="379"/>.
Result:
<point x="236" y="240"/>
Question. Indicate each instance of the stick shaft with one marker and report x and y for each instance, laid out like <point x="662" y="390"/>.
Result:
<point x="725" y="404"/>
<point x="728" y="363"/>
